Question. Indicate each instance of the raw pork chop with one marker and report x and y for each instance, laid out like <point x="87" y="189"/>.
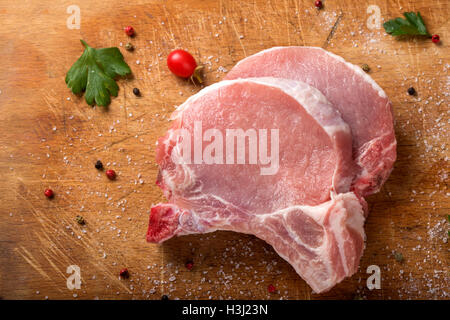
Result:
<point x="296" y="208"/>
<point x="323" y="243"/>
<point x="362" y="103"/>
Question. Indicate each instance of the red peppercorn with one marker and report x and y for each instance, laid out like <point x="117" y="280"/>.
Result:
<point x="129" y="31"/>
<point x="111" y="174"/>
<point x="189" y="265"/>
<point x="48" y="193"/>
<point x="124" y="273"/>
<point x="271" y="288"/>
<point x="318" y="4"/>
<point x="435" y="38"/>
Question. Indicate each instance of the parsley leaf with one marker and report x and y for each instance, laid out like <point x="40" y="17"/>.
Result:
<point x="412" y="25"/>
<point x="94" y="73"/>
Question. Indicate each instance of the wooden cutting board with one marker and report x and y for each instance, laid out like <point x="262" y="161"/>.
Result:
<point x="51" y="138"/>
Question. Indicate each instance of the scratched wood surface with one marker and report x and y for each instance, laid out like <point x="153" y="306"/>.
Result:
<point x="51" y="138"/>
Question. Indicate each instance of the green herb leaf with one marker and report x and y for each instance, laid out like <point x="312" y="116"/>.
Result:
<point x="412" y="25"/>
<point x="94" y="73"/>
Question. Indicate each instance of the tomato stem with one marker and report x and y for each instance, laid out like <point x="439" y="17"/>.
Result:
<point x="198" y="74"/>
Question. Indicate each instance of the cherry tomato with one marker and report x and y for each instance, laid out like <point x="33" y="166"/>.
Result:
<point x="181" y="63"/>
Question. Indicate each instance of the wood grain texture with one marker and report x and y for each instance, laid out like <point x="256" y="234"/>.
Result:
<point x="51" y="138"/>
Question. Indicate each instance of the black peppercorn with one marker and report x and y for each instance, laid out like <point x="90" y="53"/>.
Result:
<point x="80" y="220"/>
<point x="164" y="297"/>
<point x="411" y="91"/>
<point x="136" y="92"/>
<point x="99" y="165"/>
<point x="129" y="47"/>
<point x="398" y="256"/>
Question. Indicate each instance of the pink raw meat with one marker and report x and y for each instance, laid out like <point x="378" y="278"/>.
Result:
<point x="323" y="243"/>
<point x="304" y="209"/>
<point x="362" y="103"/>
